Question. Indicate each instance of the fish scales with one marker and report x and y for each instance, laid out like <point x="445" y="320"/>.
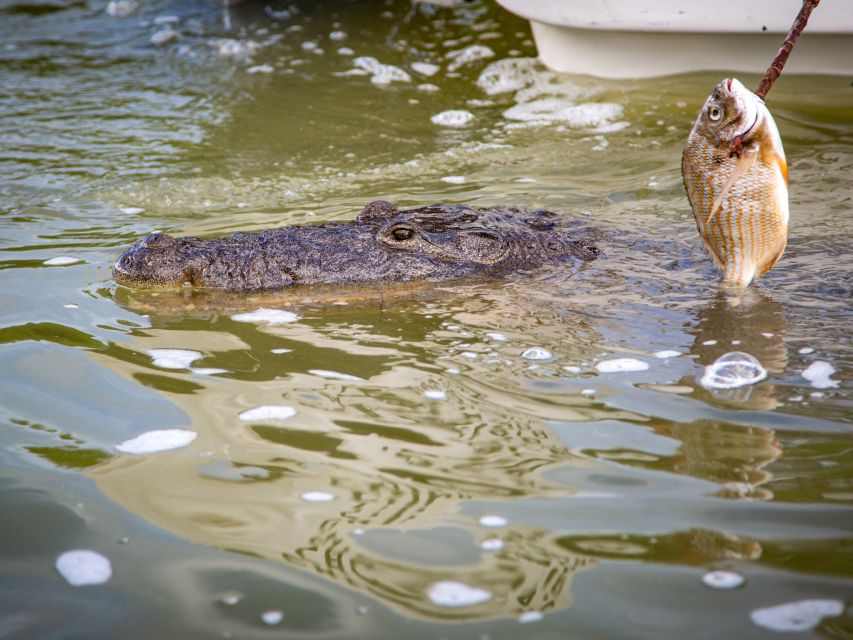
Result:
<point x="740" y="203"/>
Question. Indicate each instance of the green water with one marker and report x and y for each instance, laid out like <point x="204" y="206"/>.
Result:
<point x="619" y="490"/>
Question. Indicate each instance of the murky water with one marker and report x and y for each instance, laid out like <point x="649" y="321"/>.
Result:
<point x="424" y="472"/>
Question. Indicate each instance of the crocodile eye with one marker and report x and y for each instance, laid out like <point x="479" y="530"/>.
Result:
<point x="715" y="113"/>
<point x="402" y="233"/>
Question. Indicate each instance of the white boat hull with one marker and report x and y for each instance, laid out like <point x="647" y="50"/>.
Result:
<point x="639" y="39"/>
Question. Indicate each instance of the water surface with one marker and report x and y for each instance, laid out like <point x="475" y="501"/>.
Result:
<point x="427" y="444"/>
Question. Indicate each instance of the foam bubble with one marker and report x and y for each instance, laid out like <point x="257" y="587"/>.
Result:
<point x="426" y="87"/>
<point x="260" y="68"/>
<point x="317" y="496"/>
<point x="131" y="210"/>
<point x="572" y="368"/>
<point x="230" y="598"/>
<point x="462" y="57"/>
<point x="796" y="616"/>
<point x="709" y="343"/>
<point x="338" y="35"/>
<point x="805" y="351"/>
<point x="449" y="593"/>
<point x="280" y="350"/>
<point x="530" y="616"/>
<point x="157" y="440"/>
<point x="454" y="179"/>
<point x="270" y="316"/>
<point x="268" y="412"/>
<point x="272" y="617"/>
<point x="381" y="74"/>
<point x="71" y="305"/>
<point x="621" y="365"/>
<point x="425" y="68"/>
<point x="121" y="8"/>
<point x="493" y="521"/>
<point x="723" y="579"/>
<point x="537" y="353"/>
<point x="207" y="371"/>
<point x="588" y="392"/>
<point x="174" y="358"/>
<point x="164" y="36"/>
<point x="470" y="355"/>
<point x="666" y="353"/>
<point x="508" y="75"/>
<point x="61" y="261"/>
<point x="453" y="118"/>
<point x="818" y="374"/>
<point x="435" y="394"/>
<point x="332" y="375"/>
<point x="733" y="370"/>
<point x="240" y="49"/>
<point x="497" y="337"/>
<point x="82" y="567"/>
<point x="598" y="115"/>
<point x="492" y="544"/>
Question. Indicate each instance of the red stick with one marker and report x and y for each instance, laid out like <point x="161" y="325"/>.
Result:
<point x="785" y="50"/>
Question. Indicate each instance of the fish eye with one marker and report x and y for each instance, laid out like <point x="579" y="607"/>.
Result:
<point x="715" y="113"/>
<point x="402" y="233"/>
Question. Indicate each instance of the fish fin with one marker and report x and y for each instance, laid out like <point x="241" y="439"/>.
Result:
<point x="744" y="164"/>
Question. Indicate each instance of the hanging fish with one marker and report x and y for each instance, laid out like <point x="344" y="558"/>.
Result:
<point x="736" y="178"/>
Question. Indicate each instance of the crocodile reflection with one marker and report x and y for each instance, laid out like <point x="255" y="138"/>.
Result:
<point x="383" y="243"/>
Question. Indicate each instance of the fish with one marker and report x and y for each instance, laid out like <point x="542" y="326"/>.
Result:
<point x="736" y="177"/>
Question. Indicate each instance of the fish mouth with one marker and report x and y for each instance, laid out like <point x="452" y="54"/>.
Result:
<point x="750" y="127"/>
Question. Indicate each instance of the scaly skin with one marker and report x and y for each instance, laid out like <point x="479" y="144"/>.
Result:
<point x="737" y="162"/>
<point x="381" y="244"/>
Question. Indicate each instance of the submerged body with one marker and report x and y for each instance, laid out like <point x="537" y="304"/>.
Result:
<point x="736" y="179"/>
<point x="381" y="244"/>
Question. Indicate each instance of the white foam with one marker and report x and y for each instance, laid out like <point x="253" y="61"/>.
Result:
<point x="508" y="75"/>
<point x="723" y="579"/>
<point x="454" y="179"/>
<point x="621" y="365"/>
<point x="796" y="616"/>
<point x="497" y="337"/>
<point x="317" y="496"/>
<point x="272" y="617"/>
<point x="230" y="598"/>
<point x="462" y="57"/>
<point x="131" y="210"/>
<point x="333" y="375"/>
<point x="208" y="371"/>
<point x="426" y="87"/>
<point x="453" y="118"/>
<point x="164" y="36"/>
<point x="537" y="353"/>
<point x="709" y="343"/>
<point x="260" y="68"/>
<point x="492" y="544"/>
<point x="337" y="35"/>
<point x="805" y="351"/>
<point x="530" y="616"/>
<point x="493" y="521"/>
<point x="667" y="353"/>
<point x="449" y="593"/>
<point x="596" y="115"/>
<point x="156" y="441"/>
<point x="121" y="8"/>
<point x="818" y="374"/>
<point x="733" y="370"/>
<point x="82" y="567"/>
<point x="239" y="49"/>
<point x="174" y="358"/>
<point x="435" y="394"/>
<point x="60" y="261"/>
<point x="381" y="74"/>
<point x="425" y="68"/>
<point x="470" y="355"/>
<point x="268" y="412"/>
<point x="71" y="305"/>
<point x="588" y="392"/>
<point x="346" y="51"/>
<point x="281" y="350"/>
<point x="271" y="316"/>
<point x="572" y="368"/>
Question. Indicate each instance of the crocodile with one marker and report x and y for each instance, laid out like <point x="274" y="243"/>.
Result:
<point x="382" y="244"/>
